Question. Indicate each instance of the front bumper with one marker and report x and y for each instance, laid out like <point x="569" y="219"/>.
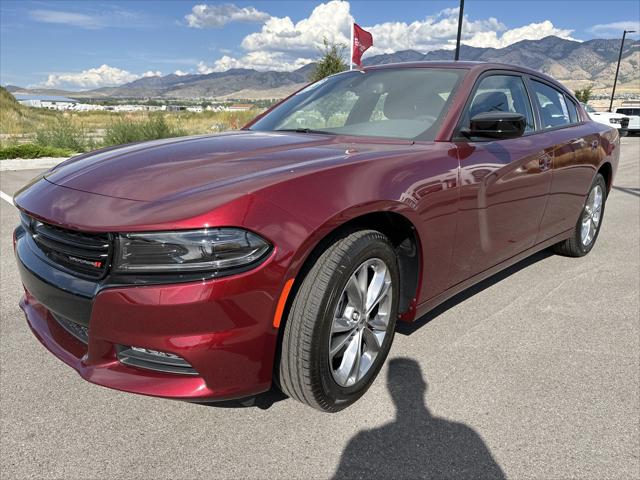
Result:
<point x="222" y="328"/>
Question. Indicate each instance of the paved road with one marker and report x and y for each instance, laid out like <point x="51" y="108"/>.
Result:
<point x="533" y="374"/>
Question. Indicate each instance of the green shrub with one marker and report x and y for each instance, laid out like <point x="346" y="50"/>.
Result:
<point x="31" y="150"/>
<point x="126" y="130"/>
<point x="64" y="134"/>
<point x="331" y="62"/>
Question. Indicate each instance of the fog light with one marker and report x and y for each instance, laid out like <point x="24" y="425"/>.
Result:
<point x="154" y="360"/>
<point x="155" y="352"/>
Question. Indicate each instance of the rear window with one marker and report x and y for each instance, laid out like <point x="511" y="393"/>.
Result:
<point x="553" y="108"/>
<point x="573" y="112"/>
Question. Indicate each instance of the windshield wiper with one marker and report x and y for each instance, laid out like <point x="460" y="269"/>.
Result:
<point x="303" y="130"/>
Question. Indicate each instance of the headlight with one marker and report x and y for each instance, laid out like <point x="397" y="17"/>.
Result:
<point x="615" y="120"/>
<point x="206" y="250"/>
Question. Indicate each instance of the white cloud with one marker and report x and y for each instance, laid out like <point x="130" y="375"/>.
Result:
<point x="329" y="20"/>
<point x="180" y="73"/>
<point x="108" y="16"/>
<point x="102" y="76"/>
<point x="259" y="60"/>
<point x="533" y="31"/>
<point x="432" y="33"/>
<point x="66" y="18"/>
<point x="615" y="27"/>
<point x="204" y="69"/>
<point x="151" y="73"/>
<point x="203" y="16"/>
<point x="282" y="44"/>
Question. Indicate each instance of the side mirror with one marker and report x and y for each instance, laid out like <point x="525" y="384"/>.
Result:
<point x="496" y="125"/>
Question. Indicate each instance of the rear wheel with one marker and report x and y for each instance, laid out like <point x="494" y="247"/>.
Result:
<point x="586" y="231"/>
<point x="341" y="323"/>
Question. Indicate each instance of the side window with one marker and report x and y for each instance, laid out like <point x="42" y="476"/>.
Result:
<point x="501" y="93"/>
<point x="573" y="112"/>
<point x="553" y="108"/>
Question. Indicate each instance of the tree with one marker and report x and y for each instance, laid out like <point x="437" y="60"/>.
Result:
<point x="332" y="61"/>
<point x="583" y="95"/>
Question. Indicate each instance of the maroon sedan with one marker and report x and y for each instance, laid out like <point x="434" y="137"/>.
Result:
<point x="206" y="268"/>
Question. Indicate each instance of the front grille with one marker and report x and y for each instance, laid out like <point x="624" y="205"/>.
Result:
<point x="86" y="254"/>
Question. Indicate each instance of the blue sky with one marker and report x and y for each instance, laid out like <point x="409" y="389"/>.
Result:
<point x="88" y="44"/>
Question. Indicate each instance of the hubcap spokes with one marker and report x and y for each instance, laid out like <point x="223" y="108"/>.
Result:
<point x="591" y="216"/>
<point x="360" y="322"/>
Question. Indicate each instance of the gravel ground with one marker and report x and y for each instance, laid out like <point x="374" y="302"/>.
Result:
<point x="532" y="374"/>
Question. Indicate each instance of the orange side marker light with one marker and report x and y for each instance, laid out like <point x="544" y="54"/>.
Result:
<point x="277" y="318"/>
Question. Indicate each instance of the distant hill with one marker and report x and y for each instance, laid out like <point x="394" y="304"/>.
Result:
<point x="7" y="100"/>
<point x="576" y="64"/>
<point x="573" y="63"/>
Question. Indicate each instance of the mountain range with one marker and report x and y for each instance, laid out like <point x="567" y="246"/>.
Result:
<point x="576" y="64"/>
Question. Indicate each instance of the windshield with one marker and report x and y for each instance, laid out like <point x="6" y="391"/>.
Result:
<point x="628" y="111"/>
<point x="405" y="103"/>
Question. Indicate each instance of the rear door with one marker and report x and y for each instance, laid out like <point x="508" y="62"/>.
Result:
<point x="503" y="183"/>
<point x="577" y="149"/>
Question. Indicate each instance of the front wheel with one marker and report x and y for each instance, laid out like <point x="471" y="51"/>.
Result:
<point x="588" y="226"/>
<point x="341" y="323"/>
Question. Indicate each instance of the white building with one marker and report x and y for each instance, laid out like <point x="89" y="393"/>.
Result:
<point x="51" y="102"/>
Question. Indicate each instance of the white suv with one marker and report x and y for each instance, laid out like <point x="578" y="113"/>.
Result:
<point x="616" y="120"/>
<point x="633" y="112"/>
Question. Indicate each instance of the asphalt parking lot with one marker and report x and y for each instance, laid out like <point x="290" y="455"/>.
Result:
<point x="535" y="373"/>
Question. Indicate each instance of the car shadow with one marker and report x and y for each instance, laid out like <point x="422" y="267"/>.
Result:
<point x="629" y="190"/>
<point x="405" y="328"/>
<point x="416" y="444"/>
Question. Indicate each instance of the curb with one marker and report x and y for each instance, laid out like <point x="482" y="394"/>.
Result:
<point x="30" y="163"/>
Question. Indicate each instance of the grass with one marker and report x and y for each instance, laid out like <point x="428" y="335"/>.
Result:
<point x="31" y="150"/>
<point x="62" y="133"/>
<point x="125" y="130"/>
<point x="84" y="131"/>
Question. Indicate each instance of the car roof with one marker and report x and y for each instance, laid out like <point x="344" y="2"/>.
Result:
<point x="477" y="67"/>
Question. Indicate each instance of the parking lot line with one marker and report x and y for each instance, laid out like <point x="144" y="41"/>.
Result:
<point x="6" y="198"/>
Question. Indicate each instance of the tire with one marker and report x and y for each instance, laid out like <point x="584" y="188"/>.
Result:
<point x="308" y="371"/>
<point x="575" y="245"/>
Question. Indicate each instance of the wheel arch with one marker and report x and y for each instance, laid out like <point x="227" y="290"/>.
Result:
<point x="405" y="239"/>
<point x="400" y="230"/>
<point x="606" y="170"/>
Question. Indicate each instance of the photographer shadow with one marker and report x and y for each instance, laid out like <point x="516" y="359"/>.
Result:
<point x="416" y="444"/>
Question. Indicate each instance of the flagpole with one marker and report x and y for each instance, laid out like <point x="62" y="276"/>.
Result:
<point x="460" y="19"/>
<point x="351" y="49"/>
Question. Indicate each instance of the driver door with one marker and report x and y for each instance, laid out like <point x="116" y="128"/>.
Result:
<point x="504" y="184"/>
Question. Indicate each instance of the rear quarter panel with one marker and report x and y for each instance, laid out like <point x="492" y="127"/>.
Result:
<point x="594" y="145"/>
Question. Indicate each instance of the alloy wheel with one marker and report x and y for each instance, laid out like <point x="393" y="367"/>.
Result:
<point x="360" y="323"/>
<point x="591" y="216"/>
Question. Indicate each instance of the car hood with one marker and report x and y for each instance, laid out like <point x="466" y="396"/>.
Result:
<point x="242" y="161"/>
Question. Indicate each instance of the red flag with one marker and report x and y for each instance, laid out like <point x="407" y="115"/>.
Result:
<point x="362" y="40"/>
